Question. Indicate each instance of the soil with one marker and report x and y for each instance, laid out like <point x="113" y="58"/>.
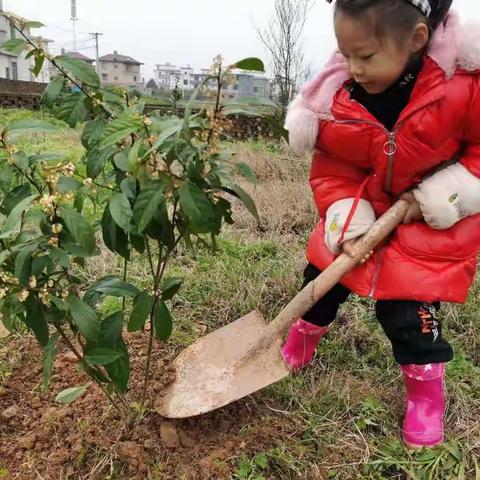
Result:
<point x="41" y="439"/>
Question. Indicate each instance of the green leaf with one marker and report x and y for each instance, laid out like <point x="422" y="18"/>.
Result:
<point x="22" y="161"/>
<point x="101" y="356"/>
<point x="34" y="24"/>
<point x="120" y="160"/>
<point x="72" y="109"/>
<point x="35" y="320"/>
<point x="80" y="70"/>
<point x="96" y="160"/>
<point x="15" y="46"/>
<point x="132" y="160"/>
<point x="197" y="208"/>
<point x="121" y="211"/>
<point x="120" y="128"/>
<point x="52" y="92"/>
<point x="49" y="353"/>
<point x="68" y="184"/>
<point x="138" y="243"/>
<point x="161" y="227"/>
<point x="244" y="197"/>
<point x="114" y="287"/>
<point x="14" y="197"/>
<point x="162" y="321"/>
<point x="142" y="307"/>
<point x="13" y="220"/>
<point x="70" y="394"/>
<point x="111" y="337"/>
<point x="114" y="237"/>
<point x="23" y="264"/>
<point x="29" y="125"/>
<point x="93" y="131"/>
<point x="246" y="171"/>
<point x="252" y="64"/>
<point x="39" y="61"/>
<point x="148" y="202"/>
<point x="128" y="186"/>
<point x="170" y="287"/>
<point x="60" y="256"/>
<point x="84" y="318"/>
<point x="168" y="128"/>
<point x="80" y="229"/>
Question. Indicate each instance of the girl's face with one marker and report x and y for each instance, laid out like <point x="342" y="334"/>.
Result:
<point x="375" y="63"/>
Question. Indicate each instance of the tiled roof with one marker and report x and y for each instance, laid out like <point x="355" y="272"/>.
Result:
<point x="117" y="58"/>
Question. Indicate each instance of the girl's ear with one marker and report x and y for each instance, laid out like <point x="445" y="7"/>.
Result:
<point x="419" y="38"/>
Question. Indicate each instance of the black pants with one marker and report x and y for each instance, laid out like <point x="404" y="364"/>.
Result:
<point x="412" y="327"/>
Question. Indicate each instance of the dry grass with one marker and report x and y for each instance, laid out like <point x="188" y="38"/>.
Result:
<point x="282" y="196"/>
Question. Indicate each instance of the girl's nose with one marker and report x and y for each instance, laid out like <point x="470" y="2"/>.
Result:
<point x="356" y="69"/>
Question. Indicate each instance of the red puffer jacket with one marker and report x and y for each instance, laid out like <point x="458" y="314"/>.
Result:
<point x="355" y="155"/>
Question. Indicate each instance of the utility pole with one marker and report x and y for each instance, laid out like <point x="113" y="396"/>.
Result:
<point x="97" y="50"/>
<point x="74" y="22"/>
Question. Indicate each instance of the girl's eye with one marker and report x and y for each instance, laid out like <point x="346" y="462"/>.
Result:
<point x="367" y="57"/>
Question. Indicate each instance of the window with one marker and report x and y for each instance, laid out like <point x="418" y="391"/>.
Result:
<point x="134" y="79"/>
<point x="235" y="87"/>
<point x="14" y="71"/>
<point x="104" y="76"/>
<point x="115" y="65"/>
<point x="185" y="82"/>
<point x="12" y="32"/>
<point x="7" y="72"/>
<point x="255" y="89"/>
<point x="115" y="78"/>
<point x="104" y="65"/>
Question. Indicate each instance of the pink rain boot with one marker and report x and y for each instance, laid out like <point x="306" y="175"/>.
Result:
<point x="425" y="409"/>
<point x="302" y="340"/>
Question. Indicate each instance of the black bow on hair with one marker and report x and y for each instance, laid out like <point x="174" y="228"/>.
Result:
<point x="439" y="11"/>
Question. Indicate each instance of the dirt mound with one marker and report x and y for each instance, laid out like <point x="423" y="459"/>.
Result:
<point x="40" y="439"/>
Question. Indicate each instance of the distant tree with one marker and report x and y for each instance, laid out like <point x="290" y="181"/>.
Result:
<point x="282" y="38"/>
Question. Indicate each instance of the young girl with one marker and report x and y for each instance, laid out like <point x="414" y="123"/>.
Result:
<point x="395" y="113"/>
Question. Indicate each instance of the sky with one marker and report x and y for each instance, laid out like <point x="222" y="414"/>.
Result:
<point x="182" y="32"/>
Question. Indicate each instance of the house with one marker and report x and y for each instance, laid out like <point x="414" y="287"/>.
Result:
<point x="78" y="56"/>
<point x="120" y="70"/>
<point x="17" y="67"/>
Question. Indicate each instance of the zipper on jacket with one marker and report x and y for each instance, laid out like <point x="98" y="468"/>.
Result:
<point x="389" y="147"/>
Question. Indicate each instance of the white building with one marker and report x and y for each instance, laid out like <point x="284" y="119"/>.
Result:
<point x="120" y="70"/>
<point x="166" y="76"/>
<point x="17" y="67"/>
<point x="241" y="83"/>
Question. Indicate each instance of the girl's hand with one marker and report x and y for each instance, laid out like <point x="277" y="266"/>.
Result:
<point x="349" y="249"/>
<point x="414" y="213"/>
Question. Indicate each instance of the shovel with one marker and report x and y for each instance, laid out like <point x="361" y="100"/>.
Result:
<point x="244" y="356"/>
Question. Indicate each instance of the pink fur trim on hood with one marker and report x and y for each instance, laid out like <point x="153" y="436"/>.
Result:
<point x="453" y="46"/>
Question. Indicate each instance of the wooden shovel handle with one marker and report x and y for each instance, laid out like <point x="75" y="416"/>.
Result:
<point x="315" y="290"/>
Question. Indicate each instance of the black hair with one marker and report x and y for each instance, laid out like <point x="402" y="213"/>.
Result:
<point x="398" y="17"/>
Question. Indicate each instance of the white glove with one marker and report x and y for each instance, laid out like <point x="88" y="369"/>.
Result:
<point x="448" y="196"/>
<point x="337" y="214"/>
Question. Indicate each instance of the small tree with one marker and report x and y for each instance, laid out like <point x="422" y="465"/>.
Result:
<point x="282" y="38"/>
<point x="156" y="180"/>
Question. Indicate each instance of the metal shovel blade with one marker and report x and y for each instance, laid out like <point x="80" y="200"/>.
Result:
<point x="209" y="374"/>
